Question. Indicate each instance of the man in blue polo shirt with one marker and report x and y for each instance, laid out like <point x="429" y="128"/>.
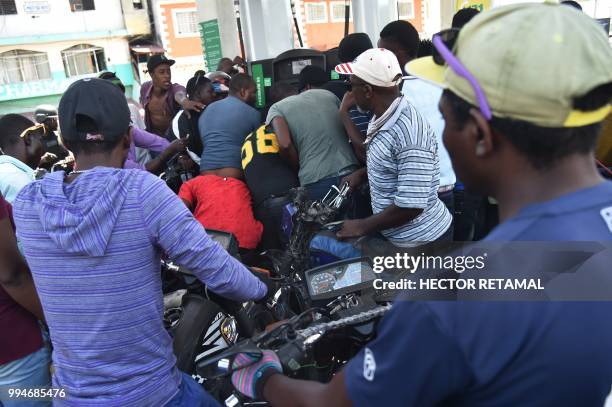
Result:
<point x="528" y="140"/>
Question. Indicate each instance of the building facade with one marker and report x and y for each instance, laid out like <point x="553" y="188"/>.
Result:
<point x="322" y="22"/>
<point x="177" y="30"/>
<point x="47" y="45"/>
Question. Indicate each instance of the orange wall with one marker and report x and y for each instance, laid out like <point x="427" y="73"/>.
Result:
<point x="180" y="47"/>
<point x="324" y="36"/>
<point x="417" y="21"/>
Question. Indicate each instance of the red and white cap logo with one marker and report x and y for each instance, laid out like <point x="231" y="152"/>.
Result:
<point x="376" y="66"/>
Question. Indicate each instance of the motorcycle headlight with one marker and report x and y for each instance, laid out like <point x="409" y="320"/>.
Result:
<point x="229" y="330"/>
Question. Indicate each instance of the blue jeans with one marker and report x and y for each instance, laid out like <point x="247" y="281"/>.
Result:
<point x="29" y="371"/>
<point x="191" y="394"/>
<point x="317" y="190"/>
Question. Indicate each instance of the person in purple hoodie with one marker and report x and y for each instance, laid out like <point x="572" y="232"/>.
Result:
<point x="93" y="240"/>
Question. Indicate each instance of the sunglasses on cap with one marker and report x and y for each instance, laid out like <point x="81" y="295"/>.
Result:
<point x="444" y="42"/>
<point x="33" y="129"/>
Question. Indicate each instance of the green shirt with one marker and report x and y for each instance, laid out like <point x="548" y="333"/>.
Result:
<point x="317" y="133"/>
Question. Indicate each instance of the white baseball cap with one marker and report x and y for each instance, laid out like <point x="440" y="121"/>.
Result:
<point x="376" y="66"/>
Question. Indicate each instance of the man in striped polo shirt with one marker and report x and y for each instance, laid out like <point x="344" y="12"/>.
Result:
<point x="403" y="167"/>
<point x="93" y="240"/>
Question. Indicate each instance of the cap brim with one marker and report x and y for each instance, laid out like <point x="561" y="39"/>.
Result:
<point x="217" y="74"/>
<point x="425" y="68"/>
<point x="344" y="69"/>
<point x="168" y="62"/>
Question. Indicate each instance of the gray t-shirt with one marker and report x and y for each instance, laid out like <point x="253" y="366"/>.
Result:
<point x="317" y="133"/>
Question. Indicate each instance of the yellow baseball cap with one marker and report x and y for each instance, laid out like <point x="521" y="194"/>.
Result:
<point x="531" y="61"/>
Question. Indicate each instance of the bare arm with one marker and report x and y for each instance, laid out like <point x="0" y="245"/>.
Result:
<point x="356" y="137"/>
<point x="283" y="391"/>
<point x="287" y="150"/>
<point x="393" y="216"/>
<point x="157" y="164"/>
<point x="180" y="96"/>
<point x="15" y="276"/>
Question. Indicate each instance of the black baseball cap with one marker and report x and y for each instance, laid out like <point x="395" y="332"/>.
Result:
<point x="312" y="75"/>
<point x="93" y="109"/>
<point x="158" y="59"/>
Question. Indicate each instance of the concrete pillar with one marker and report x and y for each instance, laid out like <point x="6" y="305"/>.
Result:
<point x="267" y="27"/>
<point x="432" y="22"/>
<point x="224" y="12"/>
<point x="447" y="11"/>
<point x="370" y="16"/>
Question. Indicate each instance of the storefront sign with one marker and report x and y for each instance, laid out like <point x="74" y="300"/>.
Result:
<point x="25" y="90"/>
<point x="211" y="43"/>
<point x="36" y="7"/>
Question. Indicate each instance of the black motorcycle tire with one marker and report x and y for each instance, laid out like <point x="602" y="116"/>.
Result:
<point x="197" y="316"/>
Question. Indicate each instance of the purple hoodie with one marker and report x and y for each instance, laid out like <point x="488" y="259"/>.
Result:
<point x="94" y="249"/>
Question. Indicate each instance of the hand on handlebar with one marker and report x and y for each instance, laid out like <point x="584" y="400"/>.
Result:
<point x="264" y="276"/>
<point x="352" y="228"/>
<point x="355" y="180"/>
<point x="251" y="379"/>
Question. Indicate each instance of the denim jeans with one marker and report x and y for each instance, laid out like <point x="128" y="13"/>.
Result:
<point x="191" y="394"/>
<point x="317" y="190"/>
<point x="29" y="371"/>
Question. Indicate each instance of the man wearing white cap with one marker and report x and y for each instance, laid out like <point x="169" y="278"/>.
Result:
<point x="498" y="353"/>
<point x="402" y="160"/>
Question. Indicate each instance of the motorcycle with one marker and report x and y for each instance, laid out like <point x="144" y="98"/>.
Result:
<point x="316" y="343"/>
<point x="212" y="326"/>
<point x="202" y="323"/>
<point x="329" y="312"/>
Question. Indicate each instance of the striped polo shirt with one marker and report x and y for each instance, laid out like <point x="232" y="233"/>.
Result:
<point x="404" y="169"/>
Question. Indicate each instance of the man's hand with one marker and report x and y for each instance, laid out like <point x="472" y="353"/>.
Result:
<point x="348" y="101"/>
<point x="174" y="148"/>
<point x="155" y="166"/>
<point x="48" y="158"/>
<point x="352" y="228"/>
<point x="356" y="179"/>
<point x="192" y="105"/>
<point x="250" y="379"/>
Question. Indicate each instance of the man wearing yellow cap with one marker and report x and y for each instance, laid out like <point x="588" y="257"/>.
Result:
<point x="527" y="86"/>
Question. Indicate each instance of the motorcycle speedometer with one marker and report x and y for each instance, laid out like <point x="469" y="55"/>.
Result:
<point x="322" y="283"/>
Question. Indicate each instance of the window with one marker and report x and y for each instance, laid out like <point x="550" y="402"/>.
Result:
<point x="82" y="5"/>
<point x="137" y="4"/>
<point x="7" y="7"/>
<point x="316" y="12"/>
<point x="337" y="11"/>
<point x="20" y="65"/>
<point x="186" y="23"/>
<point x="405" y="9"/>
<point x="83" y="59"/>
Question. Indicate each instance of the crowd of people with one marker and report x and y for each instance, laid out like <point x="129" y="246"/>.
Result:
<point x="430" y="135"/>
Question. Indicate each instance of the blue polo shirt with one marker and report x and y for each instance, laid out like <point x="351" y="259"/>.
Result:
<point x="498" y="353"/>
<point x="581" y="215"/>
